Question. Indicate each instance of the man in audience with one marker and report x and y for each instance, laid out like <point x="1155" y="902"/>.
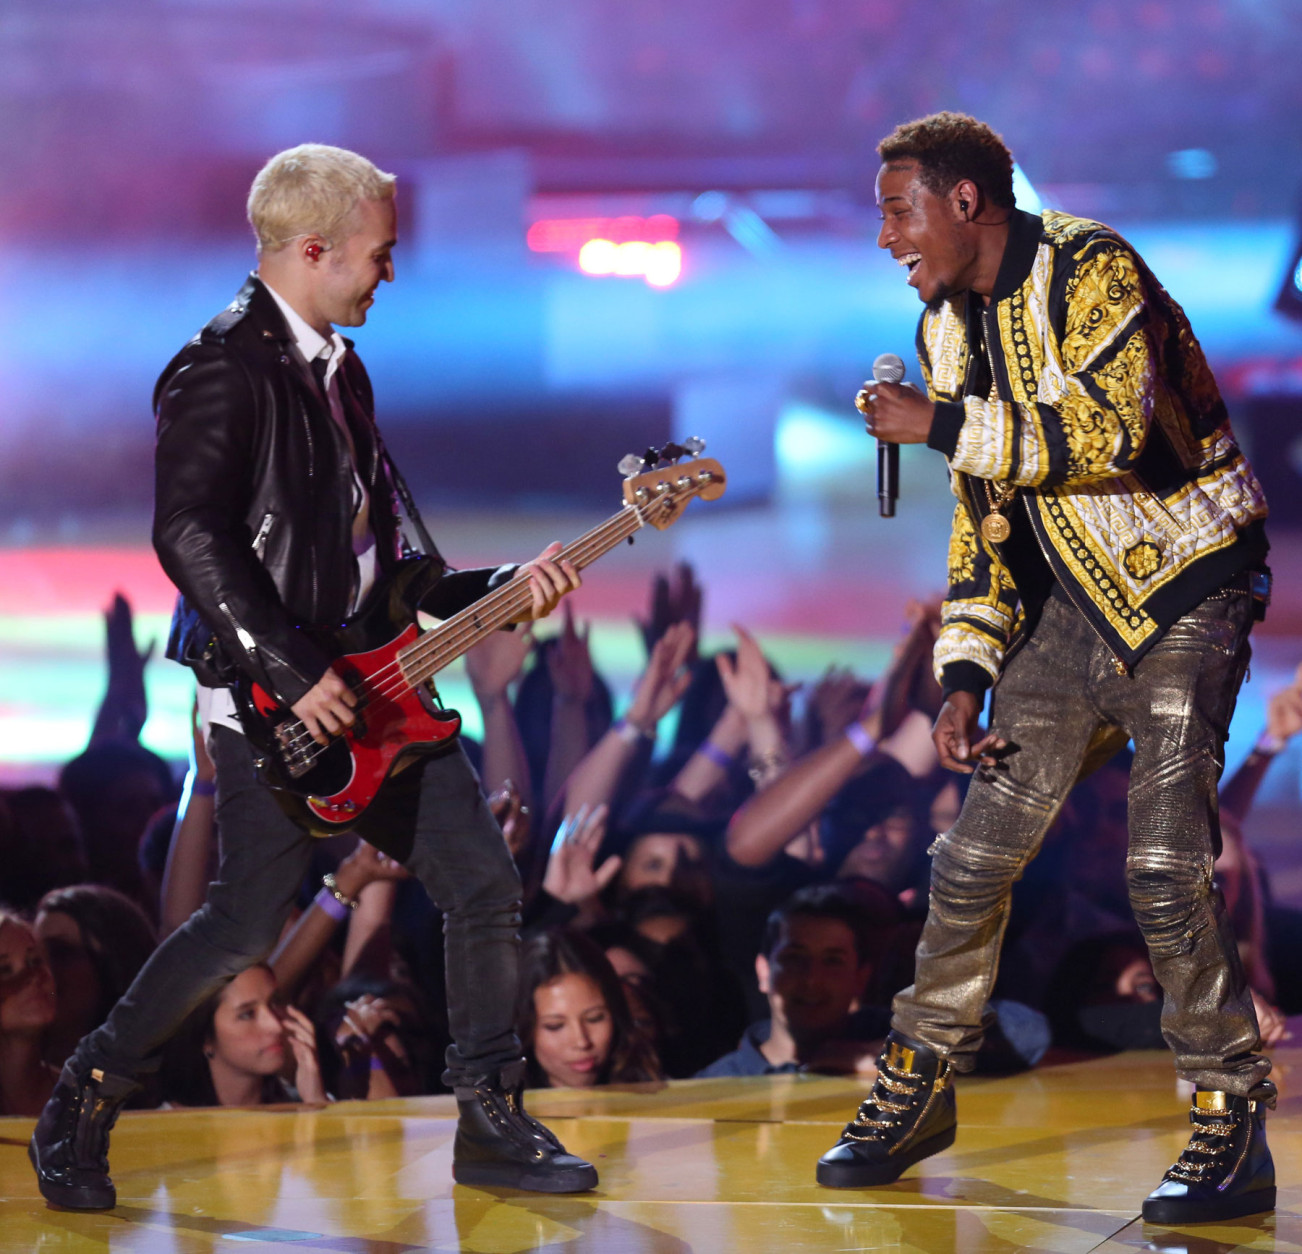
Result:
<point x="816" y="961"/>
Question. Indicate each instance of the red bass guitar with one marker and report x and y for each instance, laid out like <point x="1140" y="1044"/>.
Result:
<point x="390" y="662"/>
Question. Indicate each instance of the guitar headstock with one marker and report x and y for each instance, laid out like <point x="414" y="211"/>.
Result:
<point x="660" y="482"/>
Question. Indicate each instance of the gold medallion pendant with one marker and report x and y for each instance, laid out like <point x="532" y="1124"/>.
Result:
<point x="996" y="528"/>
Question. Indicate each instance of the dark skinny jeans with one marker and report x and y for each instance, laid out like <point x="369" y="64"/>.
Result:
<point x="456" y="851"/>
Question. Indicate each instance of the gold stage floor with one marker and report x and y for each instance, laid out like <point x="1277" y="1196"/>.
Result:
<point x="1057" y="1160"/>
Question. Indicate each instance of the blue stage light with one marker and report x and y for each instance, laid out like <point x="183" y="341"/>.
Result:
<point x="1028" y="199"/>
<point x="1191" y="163"/>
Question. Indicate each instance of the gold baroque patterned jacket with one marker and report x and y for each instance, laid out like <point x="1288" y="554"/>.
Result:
<point x="1082" y="386"/>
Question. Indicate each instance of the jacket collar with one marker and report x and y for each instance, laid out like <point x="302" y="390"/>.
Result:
<point x="1025" y="234"/>
<point x="259" y="306"/>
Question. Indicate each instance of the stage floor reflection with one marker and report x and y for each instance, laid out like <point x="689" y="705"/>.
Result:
<point x="1057" y="1160"/>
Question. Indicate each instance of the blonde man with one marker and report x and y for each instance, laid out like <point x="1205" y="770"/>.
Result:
<point x="275" y="510"/>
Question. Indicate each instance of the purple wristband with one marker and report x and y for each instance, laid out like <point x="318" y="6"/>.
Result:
<point x="630" y="731"/>
<point x="203" y="788"/>
<point x="711" y="752"/>
<point x="861" y="740"/>
<point x="335" y="909"/>
<point x="377" y="1063"/>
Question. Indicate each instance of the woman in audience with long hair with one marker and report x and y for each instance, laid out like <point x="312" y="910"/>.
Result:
<point x="27" y="1008"/>
<point x="233" y="1049"/>
<point x="574" y="1019"/>
<point x="96" y="940"/>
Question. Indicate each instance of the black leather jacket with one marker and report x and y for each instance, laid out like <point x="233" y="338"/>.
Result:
<point x="253" y="505"/>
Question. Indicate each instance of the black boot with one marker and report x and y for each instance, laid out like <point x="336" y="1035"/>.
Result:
<point x="908" y="1116"/>
<point x="498" y="1145"/>
<point x="69" y="1148"/>
<point x="1226" y="1170"/>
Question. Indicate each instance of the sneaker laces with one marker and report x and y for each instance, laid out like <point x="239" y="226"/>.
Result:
<point x="1210" y="1139"/>
<point x="890" y="1083"/>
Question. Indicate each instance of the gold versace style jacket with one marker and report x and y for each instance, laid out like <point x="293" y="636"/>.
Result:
<point x="1081" y="395"/>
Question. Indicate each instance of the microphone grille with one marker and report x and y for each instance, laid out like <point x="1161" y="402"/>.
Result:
<point x="887" y="368"/>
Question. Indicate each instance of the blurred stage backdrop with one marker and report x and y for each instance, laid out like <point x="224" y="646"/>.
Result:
<point x="620" y="223"/>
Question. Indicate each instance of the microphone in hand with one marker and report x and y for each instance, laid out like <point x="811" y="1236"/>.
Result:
<point x="887" y="368"/>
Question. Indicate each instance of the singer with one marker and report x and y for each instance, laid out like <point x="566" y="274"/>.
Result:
<point x="1106" y="564"/>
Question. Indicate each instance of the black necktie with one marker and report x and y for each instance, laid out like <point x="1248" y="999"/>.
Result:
<point x="319" y="367"/>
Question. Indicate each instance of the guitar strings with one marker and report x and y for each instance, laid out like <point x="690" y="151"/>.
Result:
<point x="435" y="649"/>
<point x="481" y="617"/>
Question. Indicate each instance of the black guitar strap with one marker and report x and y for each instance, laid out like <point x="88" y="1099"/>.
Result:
<point x="428" y="547"/>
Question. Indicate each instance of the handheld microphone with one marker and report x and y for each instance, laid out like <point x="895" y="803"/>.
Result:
<point x="887" y="368"/>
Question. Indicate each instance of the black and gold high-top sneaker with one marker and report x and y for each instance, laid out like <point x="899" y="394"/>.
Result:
<point x="69" y="1147"/>
<point x="908" y="1116"/>
<point x="498" y="1144"/>
<point x="1226" y="1169"/>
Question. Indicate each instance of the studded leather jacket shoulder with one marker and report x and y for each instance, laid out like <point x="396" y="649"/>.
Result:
<point x="1081" y="393"/>
<point x="254" y="503"/>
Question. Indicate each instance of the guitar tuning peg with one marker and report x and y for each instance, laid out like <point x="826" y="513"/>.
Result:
<point x="672" y="452"/>
<point x="630" y="465"/>
<point x="694" y="445"/>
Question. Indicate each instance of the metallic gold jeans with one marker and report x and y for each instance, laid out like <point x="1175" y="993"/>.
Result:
<point x="1062" y="706"/>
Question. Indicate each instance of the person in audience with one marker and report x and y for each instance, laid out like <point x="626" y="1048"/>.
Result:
<point x="96" y="940"/>
<point x="233" y="1049"/>
<point x="40" y="843"/>
<point x="1280" y="936"/>
<point x="115" y="788"/>
<point x="376" y="1039"/>
<point x="876" y="829"/>
<point x="574" y="1019"/>
<point x="813" y="968"/>
<point x="1104" y="997"/>
<point x="28" y="1005"/>
<point x="563" y="708"/>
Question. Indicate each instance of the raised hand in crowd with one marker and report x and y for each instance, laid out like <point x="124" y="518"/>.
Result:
<point x="191" y="854"/>
<point x="1283" y="722"/>
<point x="761" y="700"/>
<point x="1284" y="711"/>
<point x="675" y="598"/>
<point x="513" y="817"/>
<point x="125" y="707"/>
<point x="597" y="778"/>
<point x="834" y="702"/>
<point x="909" y="683"/>
<point x="782" y="812"/>
<point x="569" y="665"/>
<point x="492" y="667"/>
<point x="572" y="876"/>
<point x="301" y="1038"/>
<point x="354" y="879"/>
<point x="369" y="1043"/>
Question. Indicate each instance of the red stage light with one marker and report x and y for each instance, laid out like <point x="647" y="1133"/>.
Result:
<point x="624" y="247"/>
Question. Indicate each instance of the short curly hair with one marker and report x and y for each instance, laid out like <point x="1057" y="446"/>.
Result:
<point x="950" y="147"/>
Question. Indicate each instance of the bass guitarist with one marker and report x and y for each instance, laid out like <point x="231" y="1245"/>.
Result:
<point x="276" y="509"/>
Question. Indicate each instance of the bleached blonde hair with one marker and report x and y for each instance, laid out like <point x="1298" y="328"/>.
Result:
<point x="313" y="189"/>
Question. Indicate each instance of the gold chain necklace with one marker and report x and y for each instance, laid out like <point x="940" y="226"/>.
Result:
<point x="994" y="526"/>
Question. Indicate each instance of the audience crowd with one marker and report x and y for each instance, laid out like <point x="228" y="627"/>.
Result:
<point x="728" y="879"/>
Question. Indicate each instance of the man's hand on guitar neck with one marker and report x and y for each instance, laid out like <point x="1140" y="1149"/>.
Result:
<point x="326" y="708"/>
<point x="548" y="580"/>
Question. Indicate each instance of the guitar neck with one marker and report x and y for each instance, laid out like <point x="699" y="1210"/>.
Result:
<point x="434" y="650"/>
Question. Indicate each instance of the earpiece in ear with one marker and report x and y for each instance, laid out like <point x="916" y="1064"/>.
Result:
<point x="962" y="204"/>
<point x="313" y="251"/>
